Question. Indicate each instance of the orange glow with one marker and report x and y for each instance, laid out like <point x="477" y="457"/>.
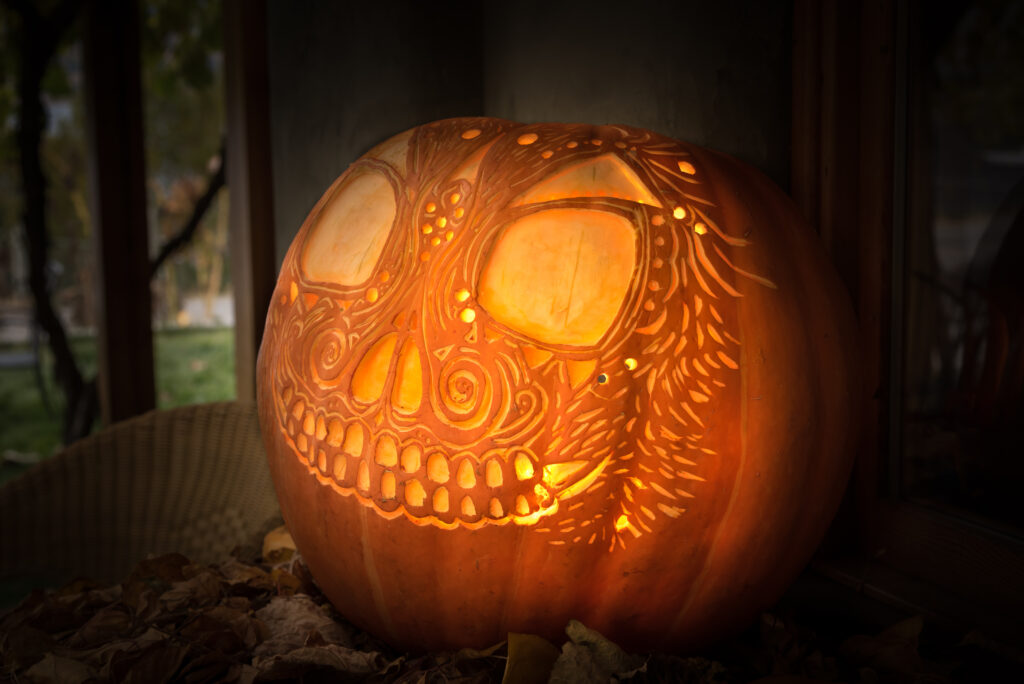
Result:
<point x="524" y="467"/>
<point x="560" y="276"/>
<point x="371" y="374"/>
<point x="604" y="176"/>
<point x="437" y="468"/>
<point x="349" y="234"/>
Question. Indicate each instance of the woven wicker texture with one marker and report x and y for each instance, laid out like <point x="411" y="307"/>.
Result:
<point x="192" y="479"/>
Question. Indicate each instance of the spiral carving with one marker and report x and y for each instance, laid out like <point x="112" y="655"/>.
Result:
<point x="327" y="357"/>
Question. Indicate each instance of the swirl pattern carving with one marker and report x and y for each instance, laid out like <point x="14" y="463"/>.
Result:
<point x="547" y="328"/>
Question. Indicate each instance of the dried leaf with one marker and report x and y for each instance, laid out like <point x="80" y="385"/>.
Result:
<point x="109" y="623"/>
<point x="278" y="546"/>
<point x="286" y="583"/>
<point x="201" y="590"/>
<point x="59" y="670"/>
<point x="211" y="634"/>
<point x="167" y="568"/>
<point x="235" y="571"/>
<point x="154" y="663"/>
<point x="893" y="653"/>
<point x="100" y="657"/>
<point x="530" y="659"/>
<point x="331" y="659"/>
<point x="591" y="657"/>
<point x="23" y="647"/>
<point x="290" y="620"/>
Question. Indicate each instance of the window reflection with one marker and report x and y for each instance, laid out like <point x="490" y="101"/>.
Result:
<point x="963" y="437"/>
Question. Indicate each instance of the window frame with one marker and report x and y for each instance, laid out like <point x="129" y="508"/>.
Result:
<point x="852" y="175"/>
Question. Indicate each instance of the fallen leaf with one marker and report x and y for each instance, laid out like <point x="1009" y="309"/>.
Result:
<point x="108" y="623"/>
<point x="201" y="590"/>
<point x="59" y="670"/>
<point x="278" y="546"/>
<point x="331" y="659"/>
<point x="24" y="646"/>
<point x="530" y="659"/>
<point x="290" y="620"/>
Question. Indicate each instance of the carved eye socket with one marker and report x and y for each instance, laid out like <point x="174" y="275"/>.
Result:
<point x="350" y="233"/>
<point x="560" y="276"/>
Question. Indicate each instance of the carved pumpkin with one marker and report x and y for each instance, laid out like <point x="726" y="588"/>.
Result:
<point x="517" y="374"/>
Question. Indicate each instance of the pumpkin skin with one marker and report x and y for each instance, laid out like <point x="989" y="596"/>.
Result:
<point x="517" y="374"/>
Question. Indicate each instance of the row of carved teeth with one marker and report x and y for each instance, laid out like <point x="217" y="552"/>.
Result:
<point x="385" y="469"/>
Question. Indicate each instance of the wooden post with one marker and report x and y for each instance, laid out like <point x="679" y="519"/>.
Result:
<point x="250" y="187"/>
<point x="117" y="179"/>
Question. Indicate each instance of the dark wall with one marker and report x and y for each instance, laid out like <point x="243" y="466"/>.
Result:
<point x="344" y="76"/>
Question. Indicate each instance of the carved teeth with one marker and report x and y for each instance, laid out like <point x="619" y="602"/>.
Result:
<point x="363" y="478"/>
<point x="387" y="485"/>
<point x="437" y="468"/>
<point x="382" y="468"/>
<point x="387" y="452"/>
<point x="493" y="475"/>
<point x="495" y="509"/>
<point x="466" y="475"/>
<point x="524" y="466"/>
<point x="522" y="506"/>
<point x="353" y="440"/>
<point x="414" y="494"/>
<point x="441" y="500"/>
<point x="412" y="458"/>
<point x="335" y="433"/>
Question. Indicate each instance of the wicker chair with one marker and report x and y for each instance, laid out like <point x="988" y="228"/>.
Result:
<point x="192" y="479"/>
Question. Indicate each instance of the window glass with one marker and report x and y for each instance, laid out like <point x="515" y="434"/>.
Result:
<point x="963" y="370"/>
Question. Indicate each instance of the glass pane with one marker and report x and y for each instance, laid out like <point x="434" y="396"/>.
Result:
<point x="963" y="438"/>
<point x="33" y="405"/>
<point x="183" y="100"/>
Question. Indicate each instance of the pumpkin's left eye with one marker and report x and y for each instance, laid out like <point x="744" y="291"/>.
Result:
<point x="560" y="276"/>
<point x="346" y="242"/>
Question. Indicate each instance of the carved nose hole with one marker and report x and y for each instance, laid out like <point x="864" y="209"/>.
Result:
<point x="372" y="373"/>
<point x="408" y="390"/>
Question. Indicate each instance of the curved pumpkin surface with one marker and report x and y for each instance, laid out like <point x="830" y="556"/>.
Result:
<point x="518" y="374"/>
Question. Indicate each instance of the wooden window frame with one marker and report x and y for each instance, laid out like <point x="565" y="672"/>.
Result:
<point x="853" y="80"/>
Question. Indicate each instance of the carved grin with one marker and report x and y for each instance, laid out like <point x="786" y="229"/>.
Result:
<point x="426" y="483"/>
<point x="465" y="342"/>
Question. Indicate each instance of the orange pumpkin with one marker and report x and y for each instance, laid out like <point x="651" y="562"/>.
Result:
<point x="518" y="374"/>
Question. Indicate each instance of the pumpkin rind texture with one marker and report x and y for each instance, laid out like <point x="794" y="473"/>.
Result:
<point x="514" y="375"/>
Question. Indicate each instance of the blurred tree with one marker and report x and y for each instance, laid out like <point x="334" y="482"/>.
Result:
<point x="43" y="159"/>
<point x="36" y="30"/>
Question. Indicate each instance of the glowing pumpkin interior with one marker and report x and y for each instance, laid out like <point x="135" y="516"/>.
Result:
<point x="541" y="346"/>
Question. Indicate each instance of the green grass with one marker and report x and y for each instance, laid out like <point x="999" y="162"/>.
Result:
<point x="192" y="366"/>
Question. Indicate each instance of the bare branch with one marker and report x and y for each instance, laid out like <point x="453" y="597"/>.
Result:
<point x="183" y="236"/>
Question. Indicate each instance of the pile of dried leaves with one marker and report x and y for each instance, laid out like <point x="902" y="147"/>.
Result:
<point x="265" y="621"/>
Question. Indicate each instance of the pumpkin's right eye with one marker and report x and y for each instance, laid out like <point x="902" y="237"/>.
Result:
<point x="346" y="242"/>
<point x="559" y="276"/>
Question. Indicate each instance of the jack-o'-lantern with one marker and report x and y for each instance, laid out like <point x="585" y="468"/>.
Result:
<point x="518" y="374"/>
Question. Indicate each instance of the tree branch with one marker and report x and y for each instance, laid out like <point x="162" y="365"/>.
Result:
<point x="183" y="236"/>
<point x="36" y="45"/>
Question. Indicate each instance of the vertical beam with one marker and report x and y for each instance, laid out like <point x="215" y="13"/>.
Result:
<point x="843" y="180"/>
<point x="117" y="176"/>
<point x="250" y="187"/>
